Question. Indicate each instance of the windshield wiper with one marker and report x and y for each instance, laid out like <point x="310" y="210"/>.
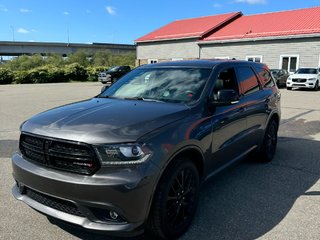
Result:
<point x="152" y="100"/>
<point x="143" y="99"/>
<point x="101" y="96"/>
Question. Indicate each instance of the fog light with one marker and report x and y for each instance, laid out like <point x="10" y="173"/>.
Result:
<point x="113" y="215"/>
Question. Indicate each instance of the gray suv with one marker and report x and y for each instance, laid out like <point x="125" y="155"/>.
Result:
<point x="133" y="158"/>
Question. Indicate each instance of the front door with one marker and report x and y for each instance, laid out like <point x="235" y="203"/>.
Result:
<point x="228" y="123"/>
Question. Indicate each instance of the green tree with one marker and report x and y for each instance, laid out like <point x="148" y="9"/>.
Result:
<point x="102" y="58"/>
<point x="24" y="62"/>
<point x="124" y="59"/>
<point x="55" y="60"/>
<point x="79" y="57"/>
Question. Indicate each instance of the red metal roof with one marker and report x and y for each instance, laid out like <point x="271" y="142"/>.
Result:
<point x="188" y="28"/>
<point x="294" y="22"/>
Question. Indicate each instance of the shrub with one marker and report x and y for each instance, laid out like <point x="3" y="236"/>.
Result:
<point x="93" y="72"/>
<point x="76" y="72"/>
<point x="39" y="75"/>
<point x="57" y="75"/>
<point x="22" y="77"/>
<point x="6" y="76"/>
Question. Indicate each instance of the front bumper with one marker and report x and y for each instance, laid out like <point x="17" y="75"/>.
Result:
<point x="128" y="192"/>
<point x="106" y="79"/>
<point x="306" y="84"/>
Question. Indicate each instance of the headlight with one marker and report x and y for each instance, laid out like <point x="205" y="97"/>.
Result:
<point x="312" y="79"/>
<point x="123" y="154"/>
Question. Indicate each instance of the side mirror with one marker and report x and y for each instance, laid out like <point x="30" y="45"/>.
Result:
<point x="226" y="97"/>
<point x="104" y="88"/>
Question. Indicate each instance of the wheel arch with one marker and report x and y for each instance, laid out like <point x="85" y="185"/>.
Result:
<point x="191" y="152"/>
<point x="274" y="117"/>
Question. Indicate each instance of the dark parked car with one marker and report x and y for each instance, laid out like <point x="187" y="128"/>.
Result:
<point x="133" y="158"/>
<point x="281" y="76"/>
<point x="113" y="74"/>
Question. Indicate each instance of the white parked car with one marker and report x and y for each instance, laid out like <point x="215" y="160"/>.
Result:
<point x="304" y="78"/>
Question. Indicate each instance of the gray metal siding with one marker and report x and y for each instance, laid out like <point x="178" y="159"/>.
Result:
<point x="167" y="50"/>
<point x="308" y="50"/>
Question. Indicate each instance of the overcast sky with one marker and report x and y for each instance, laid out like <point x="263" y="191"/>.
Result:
<point x="115" y="21"/>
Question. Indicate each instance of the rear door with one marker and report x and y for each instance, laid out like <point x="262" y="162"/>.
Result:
<point x="255" y="105"/>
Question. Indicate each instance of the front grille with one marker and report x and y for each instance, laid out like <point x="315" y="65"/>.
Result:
<point x="59" y="154"/>
<point x="299" y="80"/>
<point x="55" y="203"/>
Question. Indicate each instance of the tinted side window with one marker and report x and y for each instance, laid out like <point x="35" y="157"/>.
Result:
<point x="266" y="77"/>
<point x="247" y="80"/>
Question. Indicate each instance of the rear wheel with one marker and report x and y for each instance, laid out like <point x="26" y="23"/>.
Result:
<point x="269" y="145"/>
<point x="175" y="200"/>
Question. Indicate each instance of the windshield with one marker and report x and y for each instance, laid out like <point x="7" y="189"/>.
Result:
<point x="307" y="71"/>
<point x="180" y="85"/>
<point x="114" y="69"/>
<point x="275" y="71"/>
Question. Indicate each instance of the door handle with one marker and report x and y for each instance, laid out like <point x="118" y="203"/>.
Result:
<point x="241" y="109"/>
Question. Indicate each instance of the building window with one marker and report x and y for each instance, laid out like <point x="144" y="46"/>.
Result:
<point x="176" y="59"/>
<point x="225" y="57"/>
<point x="254" y="59"/>
<point x="152" y="61"/>
<point x="289" y="62"/>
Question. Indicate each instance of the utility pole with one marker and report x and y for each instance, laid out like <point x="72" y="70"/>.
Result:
<point x="12" y="28"/>
<point x="68" y="35"/>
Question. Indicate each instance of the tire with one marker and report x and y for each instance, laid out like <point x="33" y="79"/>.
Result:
<point x="289" y="88"/>
<point x="316" y="86"/>
<point x="175" y="201"/>
<point x="269" y="145"/>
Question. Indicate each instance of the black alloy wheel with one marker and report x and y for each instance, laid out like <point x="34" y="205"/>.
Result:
<point x="269" y="145"/>
<point x="175" y="200"/>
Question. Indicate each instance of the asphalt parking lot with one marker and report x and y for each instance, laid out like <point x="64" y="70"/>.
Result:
<point x="278" y="200"/>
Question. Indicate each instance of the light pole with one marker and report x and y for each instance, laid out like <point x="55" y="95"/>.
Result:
<point x="12" y="28"/>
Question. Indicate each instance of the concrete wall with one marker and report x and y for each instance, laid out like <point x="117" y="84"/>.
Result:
<point x="19" y="48"/>
<point x="186" y="49"/>
<point x="308" y="50"/>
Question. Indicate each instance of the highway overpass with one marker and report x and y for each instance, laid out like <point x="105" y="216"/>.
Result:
<point x="12" y="48"/>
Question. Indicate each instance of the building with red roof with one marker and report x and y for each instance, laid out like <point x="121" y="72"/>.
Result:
<point x="196" y="28"/>
<point x="286" y="39"/>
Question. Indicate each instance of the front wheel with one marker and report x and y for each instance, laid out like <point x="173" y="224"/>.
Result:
<point x="289" y="88"/>
<point x="316" y="86"/>
<point x="175" y="200"/>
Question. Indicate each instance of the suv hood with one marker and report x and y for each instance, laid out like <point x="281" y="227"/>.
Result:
<point x="101" y="120"/>
<point x="306" y="76"/>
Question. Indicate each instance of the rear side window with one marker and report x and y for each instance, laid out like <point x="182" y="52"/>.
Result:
<point x="266" y="78"/>
<point x="247" y="80"/>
